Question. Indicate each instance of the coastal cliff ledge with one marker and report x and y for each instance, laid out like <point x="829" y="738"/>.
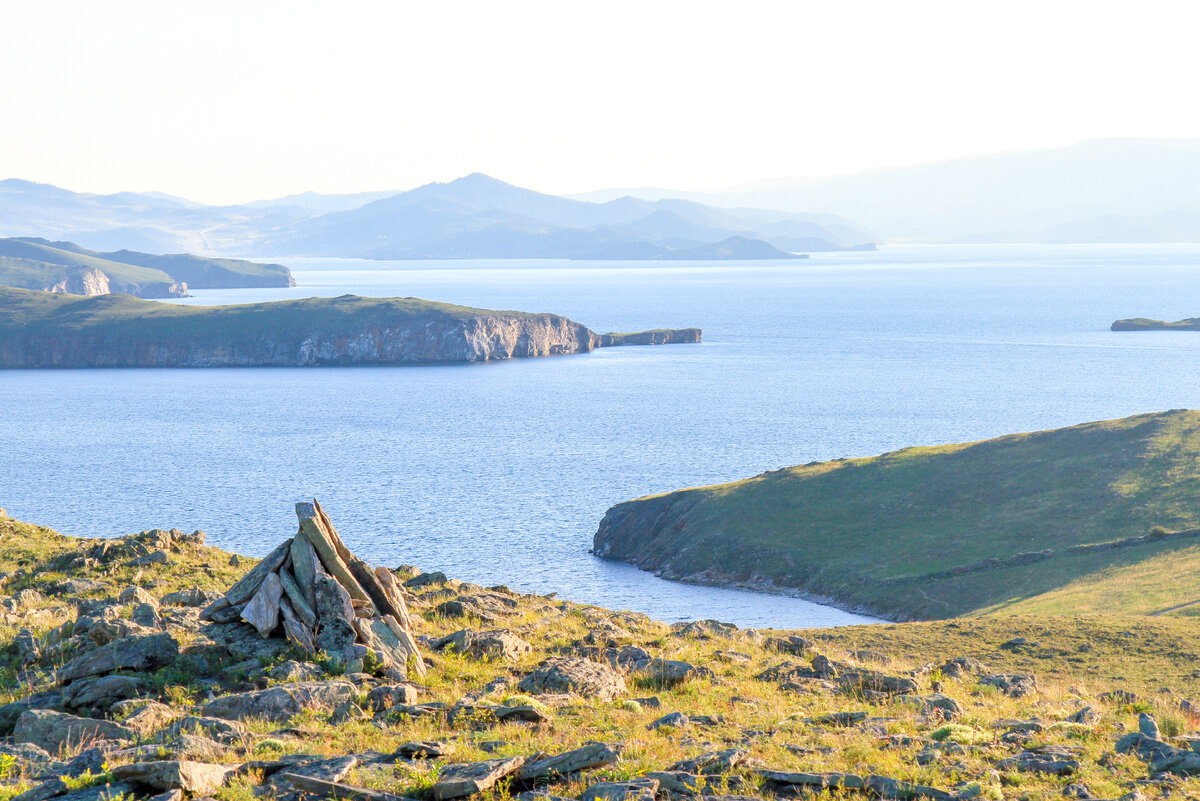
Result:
<point x="1148" y="324"/>
<point x="40" y="329"/>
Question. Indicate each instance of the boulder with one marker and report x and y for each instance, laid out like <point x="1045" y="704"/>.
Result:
<point x="101" y="692"/>
<point x="643" y="789"/>
<point x="591" y="755"/>
<point x="1015" y="685"/>
<point x="580" y="676"/>
<point x="214" y="728"/>
<point x="136" y="595"/>
<point x="457" y="781"/>
<point x="148" y="718"/>
<point x="498" y="644"/>
<point x="1047" y="760"/>
<point x="138" y="652"/>
<point x="193" y="597"/>
<point x="712" y="763"/>
<point x="674" y="720"/>
<point x="56" y="731"/>
<point x="672" y="672"/>
<point x="279" y="704"/>
<point x="195" y="778"/>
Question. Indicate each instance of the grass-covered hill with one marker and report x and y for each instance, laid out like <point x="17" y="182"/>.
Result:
<point x="65" y="267"/>
<point x="1100" y="517"/>
<point x="112" y="686"/>
<point x="43" y="329"/>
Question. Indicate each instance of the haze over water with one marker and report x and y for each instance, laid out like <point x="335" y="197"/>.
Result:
<point x="499" y="473"/>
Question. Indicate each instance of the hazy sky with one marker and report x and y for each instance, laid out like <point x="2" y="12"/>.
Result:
<point x="231" y="101"/>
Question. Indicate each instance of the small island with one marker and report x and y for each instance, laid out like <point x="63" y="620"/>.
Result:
<point x="1148" y="324"/>
<point x="43" y="329"/>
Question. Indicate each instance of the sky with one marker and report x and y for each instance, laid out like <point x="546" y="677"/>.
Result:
<point x="225" y="102"/>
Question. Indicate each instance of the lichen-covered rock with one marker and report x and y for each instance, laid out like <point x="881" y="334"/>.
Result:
<point x="138" y="652"/>
<point x="196" y="778"/>
<point x="56" y="731"/>
<point x="279" y="704"/>
<point x="101" y="692"/>
<point x="469" y="778"/>
<point x="569" y="675"/>
<point x="499" y="644"/>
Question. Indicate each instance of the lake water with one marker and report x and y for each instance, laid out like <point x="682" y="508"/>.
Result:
<point x="499" y="473"/>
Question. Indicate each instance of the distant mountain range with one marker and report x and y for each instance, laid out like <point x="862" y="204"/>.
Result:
<point x="1097" y="191"/>
<point x="472" y="217"/>
<point x="31" y="263"/>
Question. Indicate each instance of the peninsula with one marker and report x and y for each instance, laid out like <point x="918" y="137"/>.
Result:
<point x="32" y="263"/>
<point x="41" y="329"/>
<point x="1148" y="324"/>
<point x="1097" y="517"/>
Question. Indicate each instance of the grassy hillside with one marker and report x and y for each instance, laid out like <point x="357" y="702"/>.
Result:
<point x="909" y="532"/>
<point x="39" y="264"/>
<point x="121" y="315"/>
<point x="33" y="264"/>
<point x="752" y="708"/>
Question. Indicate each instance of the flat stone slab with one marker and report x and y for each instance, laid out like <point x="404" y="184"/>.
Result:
<point x="54" y="731"/>
<point x="196" y="778"/>
<point x="278" y="704"/>
<point x="469" y="778"/>
<point x="592" y="755"/>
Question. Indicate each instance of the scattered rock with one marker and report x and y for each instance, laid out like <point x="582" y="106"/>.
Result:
<point x="499" y="644"/>
<point x="279" y="704"/>
<point x="137" y="652"/>
<point x="56" y="731"/>
<point x="1016" y="685"/>
<point x="101" y="692"/>
<point x="196" y="778"/>
<point x="469" y="778"/>
<point x="675" y="720"/>
<point x="591" y="755"/>
<point x="580" y="676"/>
<point x="643" y="789"/>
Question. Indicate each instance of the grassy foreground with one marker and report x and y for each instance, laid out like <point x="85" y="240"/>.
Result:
<point x="1006" y="525"/>
<point x="751" y="695"/>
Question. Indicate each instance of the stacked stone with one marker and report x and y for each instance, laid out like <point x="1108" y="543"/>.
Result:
<point x="320" y="596"/>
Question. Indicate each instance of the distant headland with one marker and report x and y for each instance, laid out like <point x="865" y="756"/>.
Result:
<point x="1147" y="324"/>
<point x="42" y="329"/>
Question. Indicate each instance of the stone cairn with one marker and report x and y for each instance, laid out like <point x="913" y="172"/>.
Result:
<point x="312" y="590"/>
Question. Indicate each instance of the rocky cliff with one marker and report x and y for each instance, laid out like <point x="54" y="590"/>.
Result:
<point x="40" y="330"/>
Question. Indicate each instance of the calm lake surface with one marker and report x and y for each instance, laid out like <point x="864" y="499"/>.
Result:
<point x="499" y="473"/>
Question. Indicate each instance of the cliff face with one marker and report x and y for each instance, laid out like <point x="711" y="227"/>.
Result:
<point x="117" y="331"/>
<point x="476" y="340"/>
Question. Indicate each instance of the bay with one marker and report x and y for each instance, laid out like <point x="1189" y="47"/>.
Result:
<point x="499" y="473"/>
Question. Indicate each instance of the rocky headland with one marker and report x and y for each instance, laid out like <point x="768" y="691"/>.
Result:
<point x="1148" y="324"/>
<point x="152" y="667"/>
<point x="34" y="263"/>
<point x="38" y="329"/>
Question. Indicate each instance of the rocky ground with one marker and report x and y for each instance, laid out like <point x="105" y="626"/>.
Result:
<point x="114" y="686"/>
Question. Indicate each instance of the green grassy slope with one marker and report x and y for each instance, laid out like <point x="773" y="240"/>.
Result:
<point x="37" y="263"/>
<point x="121" y="315"/>
<point x="33" y="265"/>
<point x="868" y="531"/>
